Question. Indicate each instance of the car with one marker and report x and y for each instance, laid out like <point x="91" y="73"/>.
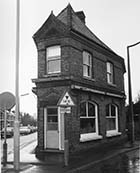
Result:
<point x="25" y="130"/>
<point x="9" y="132"/>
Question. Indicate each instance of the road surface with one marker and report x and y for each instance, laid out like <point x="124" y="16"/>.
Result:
<point x="24" y="141"/>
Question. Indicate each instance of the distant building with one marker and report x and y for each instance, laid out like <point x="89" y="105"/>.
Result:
<point x="77" y="70"/>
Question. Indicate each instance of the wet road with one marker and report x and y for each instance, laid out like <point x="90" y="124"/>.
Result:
<point x="123" y="163"/>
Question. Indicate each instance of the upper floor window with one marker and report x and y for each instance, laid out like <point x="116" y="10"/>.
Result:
<point x="110" y="73"/>
<point x="53" y="57"/>
<point x="87" y="64"/>
<point x="111" y="118"/>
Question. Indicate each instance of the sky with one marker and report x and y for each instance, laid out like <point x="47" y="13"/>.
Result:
<point x="115" y="22"/>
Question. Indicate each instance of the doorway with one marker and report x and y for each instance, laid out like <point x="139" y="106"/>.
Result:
<point x="54" y="128"/>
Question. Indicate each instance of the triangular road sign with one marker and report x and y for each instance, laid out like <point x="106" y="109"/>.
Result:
<point x="66" y="100"/>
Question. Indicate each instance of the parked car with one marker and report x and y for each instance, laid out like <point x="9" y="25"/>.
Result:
<point x="33" y="129"/>
<point x="25" y="130"/>
<point x="9" y="132"/>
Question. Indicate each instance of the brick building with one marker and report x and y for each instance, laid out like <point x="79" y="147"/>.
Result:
<point x="76" y="66"/>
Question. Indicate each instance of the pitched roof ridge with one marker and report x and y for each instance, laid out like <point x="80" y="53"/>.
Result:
<point x="50" y="16"/>
<point x="91" y="32"/>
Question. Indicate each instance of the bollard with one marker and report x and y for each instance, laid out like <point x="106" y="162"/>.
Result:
<point x="4" y="153"/>
<point x="66" y="152"/>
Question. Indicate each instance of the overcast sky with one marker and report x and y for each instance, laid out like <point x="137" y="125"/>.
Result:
<point x="115" y="22"/>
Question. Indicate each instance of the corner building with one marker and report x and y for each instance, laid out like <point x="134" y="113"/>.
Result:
<point x="75" y="64"/>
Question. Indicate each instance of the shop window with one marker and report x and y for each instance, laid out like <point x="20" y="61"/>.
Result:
<point x="87" y="65"/>
<point x="53" y="58"/>
<point x="88" y="118"/>
<point x="111" y="119"/>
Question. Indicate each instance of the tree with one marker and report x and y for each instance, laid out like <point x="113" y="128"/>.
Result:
<point x="27" y="119"/>
<point x="136" y="106"/>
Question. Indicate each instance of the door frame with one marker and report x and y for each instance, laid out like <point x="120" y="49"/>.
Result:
<point x="59" y="127"/>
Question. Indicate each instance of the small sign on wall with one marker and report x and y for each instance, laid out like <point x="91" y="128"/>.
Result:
<point x="66" y="110"/>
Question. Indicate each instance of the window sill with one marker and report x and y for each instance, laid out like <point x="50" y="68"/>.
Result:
<point x="110" y="134"/>
<point x="89" y="78"/>
<point x="89" y="137"/>
<point x="111" y="84"/>
<point x="52" y="74"/>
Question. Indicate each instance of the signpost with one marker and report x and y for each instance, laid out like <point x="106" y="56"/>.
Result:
<point x="66" y="103"/>
<point x="7" y="101"/>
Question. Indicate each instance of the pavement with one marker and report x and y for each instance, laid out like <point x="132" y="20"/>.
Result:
<point x="78" y="162"/>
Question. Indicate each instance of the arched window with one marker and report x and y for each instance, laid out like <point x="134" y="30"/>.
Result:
<point x="111" y="118"/>
<point x="88" y="118"/>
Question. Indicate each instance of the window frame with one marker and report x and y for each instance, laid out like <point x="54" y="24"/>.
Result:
<point x="110" y="72"/>
<point x="53" y="115"/>
<point x="93" y="135"/>
<point x="52" y="58"/>
<point x="87" y="65"/>
<point x="116" y="130"/>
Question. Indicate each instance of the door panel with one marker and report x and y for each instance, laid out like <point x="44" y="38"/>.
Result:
<point x="52" y="139"/>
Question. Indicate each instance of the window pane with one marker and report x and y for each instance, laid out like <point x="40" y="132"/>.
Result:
<point x="53" y="66"/>
<point x="87" y="125"/>
<point x="52" y="119"/>
<point x="86" y="58"/>
<point x="113" y="110"/>
<point x="110" y="124"/>
<point x="53" y="51"/>
<point x="85" y="70"/>
<point x="83" y="109"/>
<point x="51" y="111"/>
<point x="107" y="110"/>
<point x="52" y="126"/>
<point x="109" y="72"/>
<point x="91" y="109"/>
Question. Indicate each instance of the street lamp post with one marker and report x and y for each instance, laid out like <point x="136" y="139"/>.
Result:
<point x="130" y="110"/>
<point x="16" y="124"/>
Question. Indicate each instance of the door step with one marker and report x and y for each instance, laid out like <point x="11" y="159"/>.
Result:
<point x="52" y="155"/>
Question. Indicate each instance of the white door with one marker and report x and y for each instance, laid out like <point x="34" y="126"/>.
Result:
<point x="51" y="128"/>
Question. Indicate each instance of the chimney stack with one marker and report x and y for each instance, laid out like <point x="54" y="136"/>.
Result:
<point x="81" y="16"/>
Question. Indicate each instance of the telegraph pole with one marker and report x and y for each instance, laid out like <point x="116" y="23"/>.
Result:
<point x="130" y="109"/>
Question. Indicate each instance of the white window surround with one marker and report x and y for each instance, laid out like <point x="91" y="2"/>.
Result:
<point x="53" y="59"/>
<point x="89" y="137"/>
<point x="93" y="135"/>
<point x="110" y="73"/>
<point x="116" y="130"/>
<point x="87" y="65"/>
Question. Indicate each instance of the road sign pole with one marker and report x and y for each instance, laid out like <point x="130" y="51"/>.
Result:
<point x="5" y="142"/>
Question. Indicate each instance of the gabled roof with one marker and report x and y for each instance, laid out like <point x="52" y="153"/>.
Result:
<point x="49" y="25"/>
<point x="69" y="17"/>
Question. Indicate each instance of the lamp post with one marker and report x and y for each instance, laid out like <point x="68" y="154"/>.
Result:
<point x="16" y="124"/>
<point x="130" y="110"/>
